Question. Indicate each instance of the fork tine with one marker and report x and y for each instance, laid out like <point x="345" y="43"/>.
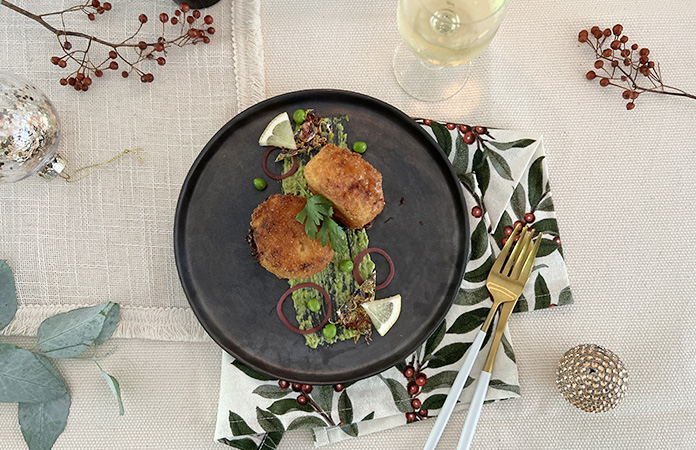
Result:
<point x="515" y="252"/>
<point x="525" y="243"/>
<point x="527" y="268"/>
<point x="498" y="264"/>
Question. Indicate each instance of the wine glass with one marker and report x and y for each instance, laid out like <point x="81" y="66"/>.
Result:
<point x="439" y="38"/>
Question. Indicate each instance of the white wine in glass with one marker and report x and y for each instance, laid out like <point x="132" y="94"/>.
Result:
<point x="439" y="38"/>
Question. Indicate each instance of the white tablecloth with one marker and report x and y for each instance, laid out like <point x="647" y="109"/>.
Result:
<point x="624" y="195"/>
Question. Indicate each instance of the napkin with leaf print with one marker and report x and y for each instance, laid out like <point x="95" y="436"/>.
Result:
<point x="505" y="179"/>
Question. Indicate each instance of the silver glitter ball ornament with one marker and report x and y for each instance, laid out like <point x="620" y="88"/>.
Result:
<point x="29" y="132"/>
<point x="592" y="378"/>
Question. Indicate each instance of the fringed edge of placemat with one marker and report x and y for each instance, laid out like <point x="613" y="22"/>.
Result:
<point x="162" y="324"/>
<point x="247" y="43"/>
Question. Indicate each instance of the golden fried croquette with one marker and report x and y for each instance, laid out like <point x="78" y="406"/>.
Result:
<point x="350" y="182"/>
<point x="279" y="242"/>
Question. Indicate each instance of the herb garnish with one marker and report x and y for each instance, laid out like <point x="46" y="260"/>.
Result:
<point x="317" y="219"/>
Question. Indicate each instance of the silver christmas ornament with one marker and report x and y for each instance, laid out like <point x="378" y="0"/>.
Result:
<point x="29" y="132"/>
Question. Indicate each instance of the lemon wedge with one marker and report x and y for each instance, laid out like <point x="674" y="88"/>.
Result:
<point x="383" y="312"/>
<point x="278" y="133"/>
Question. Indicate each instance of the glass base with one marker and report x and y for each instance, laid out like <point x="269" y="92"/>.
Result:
<point x="427" y="82"/>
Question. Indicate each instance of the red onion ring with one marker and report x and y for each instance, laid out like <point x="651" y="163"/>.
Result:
<point x="286" y="322"/>
<point x="358" y="260"/>
<point x="264" y="164"/>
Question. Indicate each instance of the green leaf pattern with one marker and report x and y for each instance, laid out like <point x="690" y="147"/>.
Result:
<point x="511" y="167"/>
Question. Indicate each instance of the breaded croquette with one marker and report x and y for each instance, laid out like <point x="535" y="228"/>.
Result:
<point x="349" y="182"/>
<point x="279" y="242"/>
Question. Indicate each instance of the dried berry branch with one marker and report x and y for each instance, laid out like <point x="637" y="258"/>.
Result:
<point x="625" y="69"/>
<point x="187" y="24"/>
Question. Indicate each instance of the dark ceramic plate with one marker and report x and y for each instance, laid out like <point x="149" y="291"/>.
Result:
<point x="234" y="298"/>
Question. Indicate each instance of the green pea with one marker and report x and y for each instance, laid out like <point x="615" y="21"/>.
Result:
<point x="260" y="184"/>
<point x="299" y="116"/>
<point x="329" y="331"/>
<point x="313" y="304"/>
<point x="359" y="147"/>
<point x="346" y="266"/>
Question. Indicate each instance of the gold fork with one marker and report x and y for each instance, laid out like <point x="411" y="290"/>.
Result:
<point x="505" y="282"/>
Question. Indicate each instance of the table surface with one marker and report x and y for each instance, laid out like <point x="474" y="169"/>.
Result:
<point x="623" y="188"/>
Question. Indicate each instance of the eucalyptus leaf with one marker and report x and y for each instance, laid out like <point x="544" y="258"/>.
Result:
<point x="345" y="408"/>
<point x="509" y="145"/>
<point x="8" y="295"/>
<point x="435" y="339"/>
<point x="443" y="136"/>
<point x="479" y="241"/>
<point x="306" y="422"/>
<point x="110" y="324"/>
<point x="519" y="202"/>
<point x="271" y="391"/>
<point x="500" y="165"/>
<point x="535" y="181"/>
<point x="498" y="384"/>
<point x="286" y="405"/>
<point x="69" y="334"/>
<point x="468" y="297"/>
<point x="401" y="398"/>
<point x="42" y="423"/>
<point x="115" y="389"/>
<point x="27" y="377"/>
<point x="238" y="425"/>
<point x="268" y="421"/>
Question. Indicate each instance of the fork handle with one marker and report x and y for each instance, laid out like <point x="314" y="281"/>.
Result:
<point x="455" y="391"/>
<point x="474" y="413"/>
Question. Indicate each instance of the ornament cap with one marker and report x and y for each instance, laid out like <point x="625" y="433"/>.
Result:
<point x="54" y="168"/>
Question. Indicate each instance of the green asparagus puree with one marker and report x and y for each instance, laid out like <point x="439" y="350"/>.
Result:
<point x="339" y="284"/>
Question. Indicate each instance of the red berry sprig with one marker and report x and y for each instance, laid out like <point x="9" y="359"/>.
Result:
<point x="189" y="27"/>
<point x="416" y="381"/>
<point x="624" y="65"/>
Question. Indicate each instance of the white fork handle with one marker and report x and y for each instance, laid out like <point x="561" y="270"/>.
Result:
<point x="474" y="413"/>
<point x="454" y="393"/>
